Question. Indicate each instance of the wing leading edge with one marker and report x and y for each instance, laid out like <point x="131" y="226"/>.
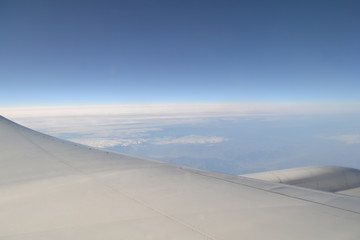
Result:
<point x="55" y="189"/>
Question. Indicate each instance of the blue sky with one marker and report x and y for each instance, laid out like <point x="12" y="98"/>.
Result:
<point x="114" y="52"/>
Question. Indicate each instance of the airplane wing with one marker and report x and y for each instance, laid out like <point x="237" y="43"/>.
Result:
<point x="55" y="189"/>
<point x="325" y="178"/>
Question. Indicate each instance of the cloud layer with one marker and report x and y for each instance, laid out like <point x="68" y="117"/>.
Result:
<point x="106" y="143"/>
<point x="348" y="139"/>
<point x="124" y="125"/>
<point x="149" y="111"/>
<point x="233" y="138"/>
<point x="190" y="139"/>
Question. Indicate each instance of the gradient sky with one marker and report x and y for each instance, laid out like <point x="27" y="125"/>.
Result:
<point x="139" y="51"/>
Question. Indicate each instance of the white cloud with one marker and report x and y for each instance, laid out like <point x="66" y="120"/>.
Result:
<point x="190" y="139"/>
<point x="131" y="112"/>
<point x="104" y="143"/>
<point x="137" y="119"/>
<point x="110" y="125"/>
<point x="348" y="139"/>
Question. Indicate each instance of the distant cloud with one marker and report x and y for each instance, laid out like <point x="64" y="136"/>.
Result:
<point x="111" y="125"/>
<point x="348" y="139"/>
<point x="130" y="112"/>
<point x="190" y="139"/>
<point x="136" y="120"/>
<point x="105" y="143"/>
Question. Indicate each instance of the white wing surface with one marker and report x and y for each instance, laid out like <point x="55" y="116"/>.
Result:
<point x="55" y="189"/>
<point x="325" y="178"/>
